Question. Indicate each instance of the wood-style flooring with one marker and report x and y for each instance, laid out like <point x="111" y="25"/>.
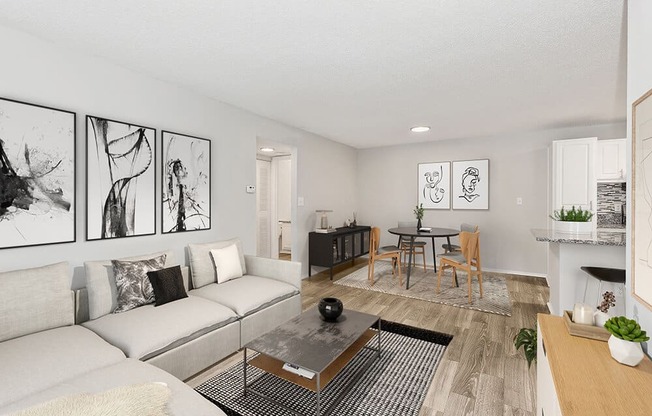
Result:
<point x="481" y="373"/>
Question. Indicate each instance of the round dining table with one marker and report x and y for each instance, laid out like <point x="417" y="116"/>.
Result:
<point x="412" y="233"/>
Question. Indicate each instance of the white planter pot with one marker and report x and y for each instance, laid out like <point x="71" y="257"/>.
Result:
<point x="625" y="352"/>
<point x="573" y="227"/>
<point x="600" y="318"/>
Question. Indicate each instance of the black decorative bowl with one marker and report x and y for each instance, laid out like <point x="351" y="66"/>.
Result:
<point x="330" y="308"/>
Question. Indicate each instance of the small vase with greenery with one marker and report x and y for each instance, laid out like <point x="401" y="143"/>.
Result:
<point x="527" y="338"/>
<point x="418" y="212"/>
<point x="625" y="340"/>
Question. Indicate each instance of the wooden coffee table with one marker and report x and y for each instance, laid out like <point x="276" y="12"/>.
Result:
<point x="310" y="343"/>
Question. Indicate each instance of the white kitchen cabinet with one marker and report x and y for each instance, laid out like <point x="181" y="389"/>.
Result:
<point x="610" y="160"/>
<point x="573" y="170"/>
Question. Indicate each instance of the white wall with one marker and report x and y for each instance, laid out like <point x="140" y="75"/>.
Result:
<point x="639" y="81"/>
<point x="39" y="72"/>
<point x="518" y="164"/>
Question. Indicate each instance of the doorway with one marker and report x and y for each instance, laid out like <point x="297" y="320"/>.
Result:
<point x="274" y="210"/>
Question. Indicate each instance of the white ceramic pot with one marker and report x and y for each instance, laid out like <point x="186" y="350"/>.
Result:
<point x="600" y="318"/>
<point x="625" y="352"/>
<point x="573" y="227"/>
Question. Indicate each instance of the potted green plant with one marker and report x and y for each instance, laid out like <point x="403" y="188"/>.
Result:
<point x="527" y="338"/>
<point x="625" y="340"/>
<point x="418" y="212"/>
<point x="574" y="220"/>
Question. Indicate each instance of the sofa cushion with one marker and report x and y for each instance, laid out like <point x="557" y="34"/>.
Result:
<point x="227" y="263"/>
<point x="100" y="283"/>
<point x="38" y="361"/>
<point x="35" y="299"/>
<point x="167" y="285"/>
<point x="148" y="331"/>
<point x="202" y="268"/>
<point x="184" y="401"/>
<point x="134" y="288"/>
<point x="247" y="294"/>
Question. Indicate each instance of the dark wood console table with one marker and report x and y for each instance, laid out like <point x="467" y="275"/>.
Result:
<point x="342" y="245"/>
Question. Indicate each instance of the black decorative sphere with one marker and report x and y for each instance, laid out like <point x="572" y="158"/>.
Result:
<point x="330" y="308"/>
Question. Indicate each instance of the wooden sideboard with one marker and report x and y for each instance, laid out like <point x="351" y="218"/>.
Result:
<point x="340" y="246"/>
<point x="577" y="376"/>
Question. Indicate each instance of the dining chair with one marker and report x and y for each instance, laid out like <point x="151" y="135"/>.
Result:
<point x="379" y="253"/>
<point x="448" y="248"/>
<point x="468" y="259"/>
<point x="418" y="247"/>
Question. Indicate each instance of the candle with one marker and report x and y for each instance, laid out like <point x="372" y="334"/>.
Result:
<point x="583" y="314"/>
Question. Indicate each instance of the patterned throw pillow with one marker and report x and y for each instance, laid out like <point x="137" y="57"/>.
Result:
<point x="167" y="285"/>
<point x="134" y="288"/>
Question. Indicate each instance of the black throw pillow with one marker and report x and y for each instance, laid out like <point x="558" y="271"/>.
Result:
<point x="167" y="285"/>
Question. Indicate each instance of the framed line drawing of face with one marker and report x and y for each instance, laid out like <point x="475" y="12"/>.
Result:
<point x="470" y="187"/>
<point x="433" y="182"/>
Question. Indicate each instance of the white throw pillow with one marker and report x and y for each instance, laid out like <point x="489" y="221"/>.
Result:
<point x="227" y="263"/>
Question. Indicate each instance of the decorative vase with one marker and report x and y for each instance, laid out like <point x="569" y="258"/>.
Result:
<point x="625" y="352"/>
<point x="330" y="308"/>
<point x="418" y="224"/>
<point x="600" y="318"/>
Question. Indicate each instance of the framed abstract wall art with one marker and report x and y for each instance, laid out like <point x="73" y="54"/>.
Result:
<point x="641" y="234"/>
<point x="37" y="175"/>
<point x="470" y="184"/>
<point x="186" y="193"/>
<point x="434" y="182"/>
<point x="120" y="179"/>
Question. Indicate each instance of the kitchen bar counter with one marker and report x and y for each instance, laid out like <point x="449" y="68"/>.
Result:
<point x="600" y="237"/>
<point x="567" y="253"/>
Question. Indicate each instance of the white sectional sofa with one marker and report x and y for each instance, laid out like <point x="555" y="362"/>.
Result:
<point x="181" y="337"/>
<point x="43" y="355"/>
<point x="267" y="295"/>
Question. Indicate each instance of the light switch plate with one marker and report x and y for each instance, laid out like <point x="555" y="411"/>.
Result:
<point x="300" y="201"/>
<point x="251" y="189"/>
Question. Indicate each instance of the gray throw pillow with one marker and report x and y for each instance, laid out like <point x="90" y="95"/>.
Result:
<point x="134" y="287"/>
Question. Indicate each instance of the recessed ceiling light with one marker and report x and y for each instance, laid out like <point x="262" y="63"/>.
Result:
<point x="266" y="149"/>
<point x="420" y="129"/>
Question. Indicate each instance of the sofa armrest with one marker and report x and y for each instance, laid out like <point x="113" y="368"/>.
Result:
<point x="281" y="270"/>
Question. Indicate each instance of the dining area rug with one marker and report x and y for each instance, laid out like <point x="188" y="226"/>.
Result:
<point x="423" y="286"/>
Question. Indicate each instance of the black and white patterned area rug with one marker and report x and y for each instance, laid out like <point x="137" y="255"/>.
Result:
<point x="423" y="285"/>
<point x="394" y="384"/>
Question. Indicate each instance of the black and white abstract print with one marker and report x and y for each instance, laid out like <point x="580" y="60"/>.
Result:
<point x="471" y="184"/>
<point x="186" y="204"/>
<point x="120" y="179"/>
<point x="37" y="175"/>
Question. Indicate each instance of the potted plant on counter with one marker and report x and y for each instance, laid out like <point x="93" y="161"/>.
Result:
<point x="574" y="220"/>
<point x="625" y="340"/>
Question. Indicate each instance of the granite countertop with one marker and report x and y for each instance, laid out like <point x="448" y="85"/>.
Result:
<point x="596" y="238"/>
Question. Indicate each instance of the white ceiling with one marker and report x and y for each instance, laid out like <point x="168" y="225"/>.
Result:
<point x="364" y="72"/>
